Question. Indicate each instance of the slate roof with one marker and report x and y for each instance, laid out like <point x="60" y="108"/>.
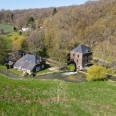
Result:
<point x="82" y="49"/>
<point x="27" y="62"/>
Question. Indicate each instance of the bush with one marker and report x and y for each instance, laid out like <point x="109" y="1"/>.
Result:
<point x="96" y="72"/>
<point x="71" y="67"/>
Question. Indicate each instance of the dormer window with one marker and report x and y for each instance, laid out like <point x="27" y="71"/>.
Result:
<point x="87" y="51"/>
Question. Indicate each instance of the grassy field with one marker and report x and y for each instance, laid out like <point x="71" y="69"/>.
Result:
<point x="8" y="38"/>
<point x="7" y="28"/>
<point x="56" y="98"/>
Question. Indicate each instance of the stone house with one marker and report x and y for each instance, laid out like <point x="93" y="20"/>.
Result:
<point x="29" y="63"/>
<point x="81" y="56"/>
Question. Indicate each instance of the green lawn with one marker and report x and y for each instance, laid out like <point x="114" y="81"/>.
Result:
<point x="7" y="28"/>
<point x="56" y="98"/>
<point x="20" y="72"/>
<point x="44" y="71"/>
<point x="16" y="71"/>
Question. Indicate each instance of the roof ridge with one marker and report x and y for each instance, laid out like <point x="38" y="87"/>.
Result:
<point x="82" y="49"/>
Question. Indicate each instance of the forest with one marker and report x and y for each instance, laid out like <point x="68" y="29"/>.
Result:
<point x="63" y="28"/>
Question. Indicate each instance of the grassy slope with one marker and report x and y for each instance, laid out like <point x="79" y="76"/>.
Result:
<point x="7" y="28"/>
<point x="8" y="38"/>
<point x="56" y="98"/>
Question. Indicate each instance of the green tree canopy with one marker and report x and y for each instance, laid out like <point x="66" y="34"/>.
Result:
<point x="72" y="67"/>
<point x="30" y="20"/>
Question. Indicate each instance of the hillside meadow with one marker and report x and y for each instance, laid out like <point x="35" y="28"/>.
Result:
<point x="7" y="28"/>
<point x="34" y="97"/>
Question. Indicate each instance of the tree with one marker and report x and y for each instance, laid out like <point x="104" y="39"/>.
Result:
<point x="96" y="72"/>
<point x="36" y="41"/>
<point x="19" y="42"/>
<point x="71" y="67"/>
<point x="20" y="32"/>
<point x="54" y="11"/>
<point x="31" y="22"/>
<point x="14" y="28"/>
<point x="3" y="49"/>
<point x="20" y="22"/>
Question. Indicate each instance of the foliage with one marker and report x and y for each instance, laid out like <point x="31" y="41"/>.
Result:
<point x="92" y="24"/>
<point x="8" y="40"/>
<point x="15" y="29"/>
<point x="54" y="11"/>
<point x="71" y="67"/>
<point x="19" y="42"/>
<point x="64" y="69"/>
<point x="3" y="48"/>
<point x="96" y="72"/>
<point x="35" y="41"/>
<point x="20" y="33"/>
<point x="57" y="98"/>
<point x="31" y="21"/>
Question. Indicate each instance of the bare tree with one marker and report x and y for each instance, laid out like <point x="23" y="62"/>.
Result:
<point x="36" y="41"/>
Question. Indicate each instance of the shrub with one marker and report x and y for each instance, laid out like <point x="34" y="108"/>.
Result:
<point x="71" y="67"/>
<point x="64" y="69"/>
<point x="96" y="72"/>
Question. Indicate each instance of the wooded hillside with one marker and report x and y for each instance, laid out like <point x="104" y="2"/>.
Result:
<point x="92" y="24"/>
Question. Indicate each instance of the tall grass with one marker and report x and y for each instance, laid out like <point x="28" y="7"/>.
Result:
<point x="56" y="98"/>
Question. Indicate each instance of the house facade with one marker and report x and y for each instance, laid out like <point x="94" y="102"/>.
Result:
<point x="26" y="29"/>
<point x="81" y="56"/>
<point x="29" y="63"/>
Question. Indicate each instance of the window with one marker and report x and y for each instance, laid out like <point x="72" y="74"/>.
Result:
<point x="37" y="69"/>
<point x="78" y="56"/>
<point x="43" y="66"/>
<point x="37" y="61"/>
<point x="77" y="60"/>
<point x="73" y="55"/>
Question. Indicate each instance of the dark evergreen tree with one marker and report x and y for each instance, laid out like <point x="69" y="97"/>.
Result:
<point x="54" y="11"/>
<point x="31" y="22"/>
<point x="15" y="29"/>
